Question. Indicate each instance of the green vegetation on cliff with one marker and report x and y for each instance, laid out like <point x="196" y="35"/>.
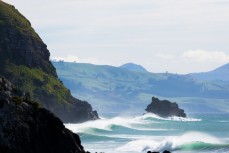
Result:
<point x="37" y="81"/>
<point x="11" y="17"/>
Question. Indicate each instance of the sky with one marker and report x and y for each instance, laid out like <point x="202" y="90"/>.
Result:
<point x="178" y="36"/>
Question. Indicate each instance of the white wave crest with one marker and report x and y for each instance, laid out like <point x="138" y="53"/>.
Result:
<point x="136" y="123"/>
<point x="173" y="118"/>
<point x="103" y="124"/>
<point x="169" y="143"/>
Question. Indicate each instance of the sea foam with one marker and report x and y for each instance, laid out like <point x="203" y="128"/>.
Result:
<point x="136" y="123"/>
<point x="103" y="124"/>
<point x="188" y="141"/>
<point x="151" y="116"/>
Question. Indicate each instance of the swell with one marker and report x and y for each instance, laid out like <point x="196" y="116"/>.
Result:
<point x="140" y="123"/>
<point x="87" y="137"/>
<point x="202" y="146"/>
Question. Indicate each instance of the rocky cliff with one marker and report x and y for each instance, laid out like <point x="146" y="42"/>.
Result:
<point x="164" y="108"/>
<point x="24" y="60"/>
<point x="25" y="127"/>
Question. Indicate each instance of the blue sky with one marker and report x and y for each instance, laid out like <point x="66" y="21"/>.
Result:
<point x="179" y="36"/>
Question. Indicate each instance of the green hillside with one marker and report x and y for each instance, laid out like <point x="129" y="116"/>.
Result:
<point x="114" y="89"/>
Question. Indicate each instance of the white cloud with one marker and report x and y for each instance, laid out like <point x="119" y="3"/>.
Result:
<point x="73" y="58"/>
<point x="206" y="56"/>
<point x="68" y="58"/>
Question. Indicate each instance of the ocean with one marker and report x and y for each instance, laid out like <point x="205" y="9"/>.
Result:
<point x="203" y="133"/>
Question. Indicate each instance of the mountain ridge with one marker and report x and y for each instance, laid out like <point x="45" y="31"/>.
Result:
<point x="221" y="74"/>
<point x="133" y="67"/>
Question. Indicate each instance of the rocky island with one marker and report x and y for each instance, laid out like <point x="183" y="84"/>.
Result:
<point x="165" y="108"/>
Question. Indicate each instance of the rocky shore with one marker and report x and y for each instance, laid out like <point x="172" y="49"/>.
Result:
<point x="27" y="128"/>
<point x="166" y="151"/>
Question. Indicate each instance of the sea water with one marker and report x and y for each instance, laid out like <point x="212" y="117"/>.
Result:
<point x="207" y="133"/>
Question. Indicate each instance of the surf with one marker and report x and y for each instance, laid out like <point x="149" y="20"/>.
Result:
<point x="151" y="132"/>
<point x="139" y="123"/>
<point x="191" y="141"/>
<point x="154" y="117"/>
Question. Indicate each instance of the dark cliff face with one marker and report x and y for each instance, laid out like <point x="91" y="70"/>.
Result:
<point x="165" y="108"/>
<point x="26" y="47"/>
<point x="24" y="60"/>
<point x="27" y="128"/>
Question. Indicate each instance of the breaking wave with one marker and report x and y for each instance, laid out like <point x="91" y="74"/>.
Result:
<point x="153" y="117"/>
<point x="154" y="133"/>
<point x="191" y="141"/>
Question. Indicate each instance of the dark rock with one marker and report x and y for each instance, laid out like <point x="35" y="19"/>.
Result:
<point x="26" y="128"/>
<point x="166" y="151"/>
<point x="24" y="60"/>
<point x="164" y="108"/>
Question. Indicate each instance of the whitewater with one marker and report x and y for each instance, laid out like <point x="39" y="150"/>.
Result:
<point x="200" y="133"/>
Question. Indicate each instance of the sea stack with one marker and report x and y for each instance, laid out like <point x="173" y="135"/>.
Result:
<point x="165" y="108"/>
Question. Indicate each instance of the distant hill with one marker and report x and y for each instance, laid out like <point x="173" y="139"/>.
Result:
<point x="220" y="74"/>
<point x="115" y="89"/>
<point x="24" y="61"/>
<point x="133" y="67"/>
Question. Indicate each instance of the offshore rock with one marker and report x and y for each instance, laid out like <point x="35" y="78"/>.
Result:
<point x="25" y="127"/>
<point x="164" y="108"/>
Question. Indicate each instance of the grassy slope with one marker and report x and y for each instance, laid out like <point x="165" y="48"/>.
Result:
<point x="12" y="16"/>
<point x="36" y="80"/>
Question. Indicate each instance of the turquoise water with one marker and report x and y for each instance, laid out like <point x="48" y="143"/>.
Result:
<point x="197" y="133"/>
